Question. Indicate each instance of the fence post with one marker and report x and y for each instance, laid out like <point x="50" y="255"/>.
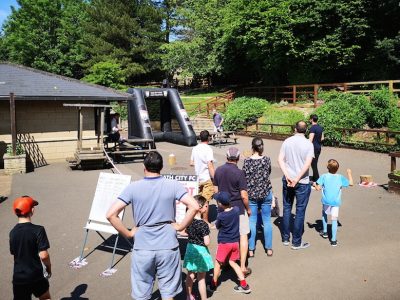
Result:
<point x="294" y="94"/>
<point x="315" y="95"/>
<point x="391" y="86"/>
<point x="275" y="93"/>
<point x="257" y="127"/>
<point x="387" y="138"/>
<point x="344" y="87"/>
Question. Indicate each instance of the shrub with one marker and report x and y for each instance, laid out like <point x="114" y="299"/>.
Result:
<point x="383" y="103"/>
<point x="244" y="110"/>
<point x="288" y="117"/>
<point x="342" y="110"/>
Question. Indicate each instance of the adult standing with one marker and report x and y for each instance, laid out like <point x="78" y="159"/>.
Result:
<point x="202" y="159"/>
<point x="295" y="158"/>
<point x="257" y="169"/>
<point x="316" y="137"/>
<point x="156" y="249"/>
<point x="229" y="178"/>
<point x="218" y="120"/>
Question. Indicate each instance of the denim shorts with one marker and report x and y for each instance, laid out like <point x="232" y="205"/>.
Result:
<point x="163" y="264"/>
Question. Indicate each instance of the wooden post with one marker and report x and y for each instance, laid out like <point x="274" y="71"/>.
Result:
<point x="344" y="87"/>
<point x="80" y="128"/>
<point x="294" y="94"/>
<point x="391" y="86"/>
<point x="315" y="95"/>
<point x="101" y="127"/>
<point x="275" y="93"/>
<point x="387" y="138"/>
<point x="13" y="124"/>
<point x="392" y="164"/>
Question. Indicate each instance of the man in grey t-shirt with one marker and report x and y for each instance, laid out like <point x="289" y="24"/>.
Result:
<point x="294" y="160"/>
<point x="156" y="248"/>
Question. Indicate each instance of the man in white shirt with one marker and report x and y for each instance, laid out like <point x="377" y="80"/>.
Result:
<point x="202" y="159"/>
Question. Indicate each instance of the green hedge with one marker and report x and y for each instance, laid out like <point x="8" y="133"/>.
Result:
<point x="244" y="110"/>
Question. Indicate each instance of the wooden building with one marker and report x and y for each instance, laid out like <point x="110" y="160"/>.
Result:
<point x="45" y="127"/>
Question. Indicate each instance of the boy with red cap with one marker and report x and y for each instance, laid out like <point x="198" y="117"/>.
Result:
<point x="28" y="245"/>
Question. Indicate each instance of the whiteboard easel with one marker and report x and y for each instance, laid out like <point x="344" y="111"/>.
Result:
<point x="109" y="187"/>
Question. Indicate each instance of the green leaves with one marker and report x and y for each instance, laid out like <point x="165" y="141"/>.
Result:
<point x="244" y="110"/>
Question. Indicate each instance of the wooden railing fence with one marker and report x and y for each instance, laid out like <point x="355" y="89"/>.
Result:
<point x="309" y="92"/>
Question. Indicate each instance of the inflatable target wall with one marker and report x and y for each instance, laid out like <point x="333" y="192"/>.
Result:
<point x="166" y="103"/>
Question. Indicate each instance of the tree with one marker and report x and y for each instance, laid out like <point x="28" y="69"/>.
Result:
<point x="45" y="34"/>
<point x="124" y="31"/>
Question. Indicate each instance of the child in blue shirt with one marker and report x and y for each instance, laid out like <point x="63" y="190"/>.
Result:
<point x="228" y="242"/>
<point x="331" y="185"/>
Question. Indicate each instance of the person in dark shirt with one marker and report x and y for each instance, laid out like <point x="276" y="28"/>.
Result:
<point x="29" y="245"/>
<point x="316" y="137"/>
<point x="228" y="242"/>
<point x="229" y="178"/>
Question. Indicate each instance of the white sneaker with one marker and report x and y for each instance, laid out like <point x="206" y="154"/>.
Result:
<point x="303" y="245"/>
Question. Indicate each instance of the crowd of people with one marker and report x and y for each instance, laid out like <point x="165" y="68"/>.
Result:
<point x="242" y="196"/>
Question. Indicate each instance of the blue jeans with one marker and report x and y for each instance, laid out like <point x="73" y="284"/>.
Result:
<point x="302" y="194"/>
<point x="265" y="206"/>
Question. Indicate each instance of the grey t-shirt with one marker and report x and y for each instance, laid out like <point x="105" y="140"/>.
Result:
<point x="153" y="204"/>
<point x="296" y="150"/>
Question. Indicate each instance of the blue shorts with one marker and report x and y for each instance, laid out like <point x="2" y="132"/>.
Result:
<point x="147" y="264"/>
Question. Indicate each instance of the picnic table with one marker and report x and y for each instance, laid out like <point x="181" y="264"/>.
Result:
<point x="223" y="137"/>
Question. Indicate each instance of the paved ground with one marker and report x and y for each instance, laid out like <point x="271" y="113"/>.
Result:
<point x="365" y="265"/>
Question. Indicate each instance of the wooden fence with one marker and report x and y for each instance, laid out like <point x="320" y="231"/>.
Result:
<point x="274" y="131"/>
<point x="309" y="92"/>
<point x="218" y="102"/>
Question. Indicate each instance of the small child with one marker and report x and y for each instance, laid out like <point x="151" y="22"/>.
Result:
<point x="228" y="242"/>
<point x="29" y="244"/>
<point x="332" y="184"/>
<point x="197" y="257"/>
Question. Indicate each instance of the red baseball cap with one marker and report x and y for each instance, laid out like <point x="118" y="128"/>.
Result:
<point x="23" y="205"/>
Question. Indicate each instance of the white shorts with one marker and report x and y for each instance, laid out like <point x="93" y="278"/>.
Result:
<point x="331" y="210"/>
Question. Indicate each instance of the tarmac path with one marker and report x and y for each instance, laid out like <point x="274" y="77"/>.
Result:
<point x="365" y="265"/>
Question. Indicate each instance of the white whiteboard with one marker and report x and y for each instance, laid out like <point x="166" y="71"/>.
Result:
<point x="109" y="187"/>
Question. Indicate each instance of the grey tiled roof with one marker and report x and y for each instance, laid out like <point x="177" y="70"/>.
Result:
<point x="32" y="84"/>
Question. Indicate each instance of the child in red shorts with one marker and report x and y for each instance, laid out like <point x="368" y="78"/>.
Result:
<point x="228" y="242"/>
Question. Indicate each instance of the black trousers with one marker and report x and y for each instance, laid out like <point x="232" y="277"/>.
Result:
<point x="314" y="164"/>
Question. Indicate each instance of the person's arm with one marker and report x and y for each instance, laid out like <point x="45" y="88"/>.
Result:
<point x="245" y="199"/>
<point x="45" y="258"/>
<point x="116" y="222"/>
<point x="282" y="165"/>
<point x="222" y="121"/>
<point x="311" y="136"/>
<point x="192" y="159"/>
<point x="350" y="177"/>
<point x="206" y="240"/>
<point x="305" y="168"/>
<point x="192" y="209"/>
<point x="211" y="168"/>
<point x="322" y="136"/>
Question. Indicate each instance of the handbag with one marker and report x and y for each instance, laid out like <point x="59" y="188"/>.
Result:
<point x="275" y="211"/>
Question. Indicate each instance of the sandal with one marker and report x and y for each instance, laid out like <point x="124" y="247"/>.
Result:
<point x="269" y="252"/>
<point x="253" y="254"/>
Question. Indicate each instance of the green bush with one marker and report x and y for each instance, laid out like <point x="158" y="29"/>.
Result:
<point x="288" y="117"/>
<point x="342" y="110"/>
<point x="383" y="105"/>
<point x="244" y="110"/>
